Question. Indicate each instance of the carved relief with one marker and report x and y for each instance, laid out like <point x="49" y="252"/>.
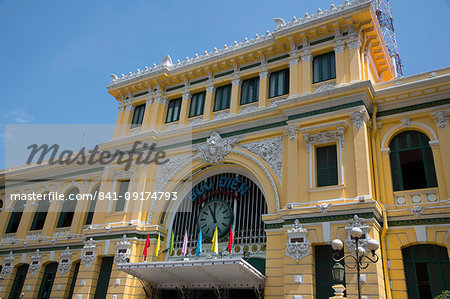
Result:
<point x="65" y="262"/>
<point x="123" y="251"/>
<point x="88" y="255"/>
<point x="324" y="137"/>
<point x="35" y="264"/>
<point x="8" y="265"/>
<point x="215" y="148"/>
<point x="297" y="245"/>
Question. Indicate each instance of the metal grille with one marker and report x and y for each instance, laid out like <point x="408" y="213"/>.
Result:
<point x="248" y="227"/>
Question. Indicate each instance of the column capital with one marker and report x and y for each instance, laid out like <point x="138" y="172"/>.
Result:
<point x="121" y="109"/>
<point x="148" y="102"/>
<point x="263" y="74"/>
<point x="186" y="95"/>
<point x="211" y="89"/>
<point x="236" y="82"/>
<point x="129" y="107"/>
<point x="293" y="61"/>
<point x="354" y="44"/>
<point x="307" y="57"/>
<point x="161" y="100"/>
<point x="339" y="48"/>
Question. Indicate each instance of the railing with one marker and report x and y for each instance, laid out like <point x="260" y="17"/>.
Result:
<point x="415" y="197"/>
<point x="9" y="238"/>
<point x="34" y="236"/>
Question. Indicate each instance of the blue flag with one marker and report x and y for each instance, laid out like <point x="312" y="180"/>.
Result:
<point x="199" y="243"/>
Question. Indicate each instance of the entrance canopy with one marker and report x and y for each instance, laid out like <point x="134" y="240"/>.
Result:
<point x="232" y="273"/>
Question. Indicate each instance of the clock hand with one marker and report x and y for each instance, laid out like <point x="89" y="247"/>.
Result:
<point x="213" y="214"/>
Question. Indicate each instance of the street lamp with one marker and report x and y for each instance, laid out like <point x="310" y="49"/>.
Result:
<point x="358" y="255"/>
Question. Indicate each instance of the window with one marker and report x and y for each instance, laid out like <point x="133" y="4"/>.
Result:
<point x="68" y="208"/>
<point x="223" y="98"/>
<point x="19" y="281"/>
<point x="327" y="168"/>
<point x="412" y="164"/>
<point x="73" y="280"/>
<point x="138" y="116"/>
<point x="324" y="67"/>
<point x="173" y="110"/>
<point x="197" y="104"/>
<point x="16" y="215"/>
<point x="121" y="195"/>
<point x="92" y="204"/>
<point x="103" y="277"/>
<point x="41" y="214"/>
<point x="250" y="91"/>
<point x="427" y="270"/>
<point x="47" y="281"/>
<point x="279" y="83"/>
<point x="324" y="277"/>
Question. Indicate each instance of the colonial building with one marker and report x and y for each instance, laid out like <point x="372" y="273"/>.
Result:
<point x="289" y="140"/>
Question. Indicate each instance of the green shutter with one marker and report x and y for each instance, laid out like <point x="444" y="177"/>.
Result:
<point x="326" y="166"/>
<point x="74" y="280"/>
<point x="173" y="110"/>
<point x="324" y="277"/>
<point x="19" y="281"/>
<point x="15" y="217"/>
<point x="197" y="104"/>
<point x="279" y="83"/>
<point x="427" y="270"/>
<point x="138" y="116"/>
<point x="222" y="98"/>
<point x="324" y="67"/>
<point x="103" y="278"/>
<point x="47" y="281"/>
<point x="121" y="195"/>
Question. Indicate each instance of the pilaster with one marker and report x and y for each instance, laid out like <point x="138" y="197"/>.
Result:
<point x="263" y="88"/>
<point x="355" y="60"/>
<point x="185" y="105"/>
<point x="235" y="95"/>
<point x="307" y="72"/>
<point x="209" y="102"/>
<point x="340" y="64"/>
<point x="146" y="122"/>
<point x="294" y="76"/>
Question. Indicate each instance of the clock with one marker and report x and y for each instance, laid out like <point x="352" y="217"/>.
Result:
<point x="215" y="213"/>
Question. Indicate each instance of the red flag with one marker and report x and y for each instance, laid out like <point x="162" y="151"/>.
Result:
<point x="147" y="245"/>
<point x="230" y="240"/>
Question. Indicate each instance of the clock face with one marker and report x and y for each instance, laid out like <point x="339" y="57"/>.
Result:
<point x="215" y="213"/>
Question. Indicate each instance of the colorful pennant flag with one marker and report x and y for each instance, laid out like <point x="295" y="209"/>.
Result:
<point x="199" y="244"/>
<point x="147" y="245"/>
<point x="158" y="245"/>
<point x="171" y="245"/>
<point x="215" y="242"/>
<point x="185" y="244"/>
<point x="230" y="240"/>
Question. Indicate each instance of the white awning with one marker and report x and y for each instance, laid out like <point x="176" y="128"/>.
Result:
<point x="234" y="273"/>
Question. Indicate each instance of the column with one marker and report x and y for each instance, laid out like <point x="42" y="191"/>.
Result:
<point x="121" y="110"/>
<point x="126" y="120"/>
<point x="53" y="214"/>
<point x="355" y="61"/>
<point x="293" y="77"/>
<point x="340" y="64"/>
<point x="25" y="221"/>
<point x="292" y="155"/>
<point x="158" y="112"/>
<point x="146" y="122"/>
<point x="307" y="72"/>
<point x="209" y="102"/>
<point x="263" y="88"/>
<point x="235" y="95"/>
<point x="361" y="153"/>
<point x="185" y="105"/>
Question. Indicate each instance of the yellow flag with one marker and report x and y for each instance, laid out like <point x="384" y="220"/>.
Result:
<point x="215" y="242"/>
<point x="158" y="245"/>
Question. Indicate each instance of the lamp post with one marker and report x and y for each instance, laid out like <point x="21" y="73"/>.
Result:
<point x="358" y="255"/>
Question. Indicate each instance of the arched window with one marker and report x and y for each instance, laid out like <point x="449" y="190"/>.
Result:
<point x="47" y="281"/>
<point x="68" y="208"/>
<point x="92" y="204"/>
<point x="16" y="215"/>
<point x="19" y="281"/>
<point x="41" y="213"/>
<point x="412" y="164"/>
<point x="427" y="270"/>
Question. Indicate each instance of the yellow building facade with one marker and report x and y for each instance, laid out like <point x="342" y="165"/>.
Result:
<point x="297" y="136"/>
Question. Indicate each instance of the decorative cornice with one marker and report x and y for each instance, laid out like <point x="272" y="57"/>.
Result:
<point x="167" y="65"/>
<point x="324" y="137"/>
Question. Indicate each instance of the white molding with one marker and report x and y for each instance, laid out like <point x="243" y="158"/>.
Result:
<point x="412" y="124"/>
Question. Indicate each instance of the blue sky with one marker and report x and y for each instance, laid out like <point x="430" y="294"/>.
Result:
<point x="56" y="56"/>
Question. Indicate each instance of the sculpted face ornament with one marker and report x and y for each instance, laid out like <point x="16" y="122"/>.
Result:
<point x="215" y="148"/>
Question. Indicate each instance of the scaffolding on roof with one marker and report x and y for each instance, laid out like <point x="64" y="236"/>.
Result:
<point x="384" y="15"/>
